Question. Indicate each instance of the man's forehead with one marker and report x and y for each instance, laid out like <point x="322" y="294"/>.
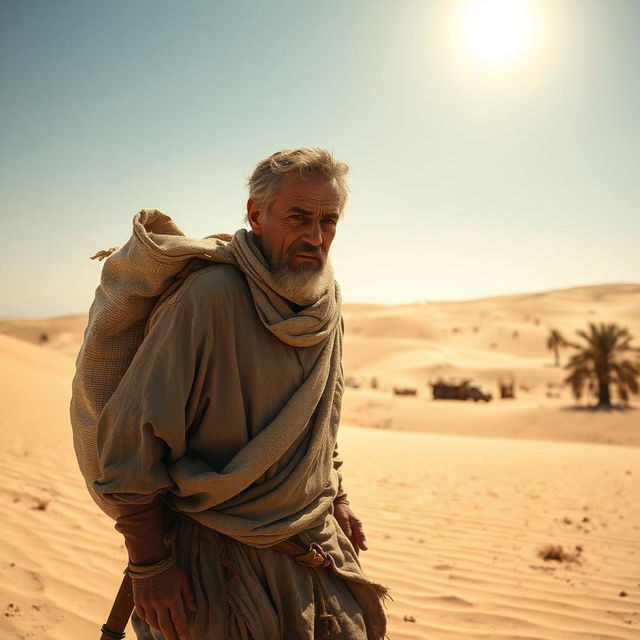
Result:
<point x="318" y="191"/>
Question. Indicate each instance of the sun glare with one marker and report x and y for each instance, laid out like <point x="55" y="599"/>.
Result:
<point x="498" y="31"/>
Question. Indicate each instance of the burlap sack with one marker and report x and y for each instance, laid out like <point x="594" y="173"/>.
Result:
<point x="135" y="279"/>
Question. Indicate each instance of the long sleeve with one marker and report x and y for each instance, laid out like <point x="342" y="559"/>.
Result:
<point x="142" y="428"/>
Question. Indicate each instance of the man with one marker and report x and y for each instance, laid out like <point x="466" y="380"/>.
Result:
<point x="227" y="417"/>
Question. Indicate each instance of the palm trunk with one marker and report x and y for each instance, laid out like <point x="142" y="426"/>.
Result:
<point x="557" y="354"/>
<point x="604" y="399"/>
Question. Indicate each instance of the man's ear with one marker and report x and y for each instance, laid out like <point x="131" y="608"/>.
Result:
<point x="254" y="216"/>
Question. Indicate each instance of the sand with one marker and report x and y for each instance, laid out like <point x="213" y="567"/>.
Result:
<point x="458" y="499"/>
<point x="455" y="525"/>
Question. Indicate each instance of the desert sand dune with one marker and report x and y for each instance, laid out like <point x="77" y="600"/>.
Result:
<point x="63" y="333"/>
<point x="484" y="340"/>
<point x="456" y="522"/>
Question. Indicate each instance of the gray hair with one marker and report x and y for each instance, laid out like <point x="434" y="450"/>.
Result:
<point x="310" y="162"/>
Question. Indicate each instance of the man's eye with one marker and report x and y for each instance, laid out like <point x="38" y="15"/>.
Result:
<point x="332" y="222"/>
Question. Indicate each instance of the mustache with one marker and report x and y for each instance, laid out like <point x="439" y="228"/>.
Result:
<point x="305" y="247"/>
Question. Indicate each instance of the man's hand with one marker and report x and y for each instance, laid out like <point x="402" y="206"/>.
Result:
<point x="161" y="601"/>
<point x="351" y="526"/>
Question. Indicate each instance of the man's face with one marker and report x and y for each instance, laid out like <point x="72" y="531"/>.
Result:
<point x="297" y="230"/>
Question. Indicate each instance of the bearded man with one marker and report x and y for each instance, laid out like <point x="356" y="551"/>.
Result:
<point x="226" y="419"/>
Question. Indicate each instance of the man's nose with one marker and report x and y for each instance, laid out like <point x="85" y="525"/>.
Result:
<point x="313" y="233"/>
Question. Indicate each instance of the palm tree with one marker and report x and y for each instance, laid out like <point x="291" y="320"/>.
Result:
<point x="555" y="341"/>
<point x="601" y="362"/>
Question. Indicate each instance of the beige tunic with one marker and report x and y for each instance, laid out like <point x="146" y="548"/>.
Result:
<point x="206" y="380"/>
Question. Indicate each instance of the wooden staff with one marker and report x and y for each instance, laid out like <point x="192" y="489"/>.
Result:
<point x="120" y="612"/>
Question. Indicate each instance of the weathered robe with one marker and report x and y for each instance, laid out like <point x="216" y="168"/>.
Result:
<point x="206" y="380"/>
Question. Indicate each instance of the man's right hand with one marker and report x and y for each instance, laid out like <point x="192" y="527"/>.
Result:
<point x="162" y="600"/>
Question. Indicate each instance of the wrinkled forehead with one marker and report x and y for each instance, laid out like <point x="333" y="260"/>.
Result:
<point x="318" y="191"/>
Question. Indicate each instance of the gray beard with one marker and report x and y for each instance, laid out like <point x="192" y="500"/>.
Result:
<point x="304" y="285"/>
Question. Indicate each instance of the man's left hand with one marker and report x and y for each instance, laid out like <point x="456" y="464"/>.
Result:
<point x="351" y="526"/>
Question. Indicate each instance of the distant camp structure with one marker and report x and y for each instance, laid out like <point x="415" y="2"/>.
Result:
<point x="507" y="389"/>
<point x="461" y="391"/>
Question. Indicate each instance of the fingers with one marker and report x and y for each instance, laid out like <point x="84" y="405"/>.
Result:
<point x="148" y="615"/>
<point x="187" y="595"/>
<point x="151" y="618"/>
<point x="179" y="621"/>
<point x="166" y="624"/>
<point x="358" y="540"/>
<point x="345" y="526"/>
<point x="171" y="622"/>
<point x="162" y="601"/>
<point x="351" y="526"/>
<point x="341" y="514"/>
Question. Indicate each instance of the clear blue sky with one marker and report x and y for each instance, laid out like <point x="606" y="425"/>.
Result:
<point x="467" y="179"/>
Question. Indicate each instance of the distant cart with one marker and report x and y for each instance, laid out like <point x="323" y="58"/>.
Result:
<point x="461" y="391"/>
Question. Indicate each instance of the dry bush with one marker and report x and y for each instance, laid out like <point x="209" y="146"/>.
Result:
<point x="41" y="504"/>
<point x="557" y="553"/>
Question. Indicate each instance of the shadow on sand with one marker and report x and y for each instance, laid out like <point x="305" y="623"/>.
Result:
<point x="620" y="408"/>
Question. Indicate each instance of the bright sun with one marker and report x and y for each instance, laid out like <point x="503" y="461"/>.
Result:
<point x="498" y="31"/>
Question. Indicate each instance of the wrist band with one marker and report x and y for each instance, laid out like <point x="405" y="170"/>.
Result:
<point x="140" y="571"/>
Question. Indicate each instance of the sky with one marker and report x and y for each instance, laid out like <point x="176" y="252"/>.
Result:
<point x="486" y="157"/>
